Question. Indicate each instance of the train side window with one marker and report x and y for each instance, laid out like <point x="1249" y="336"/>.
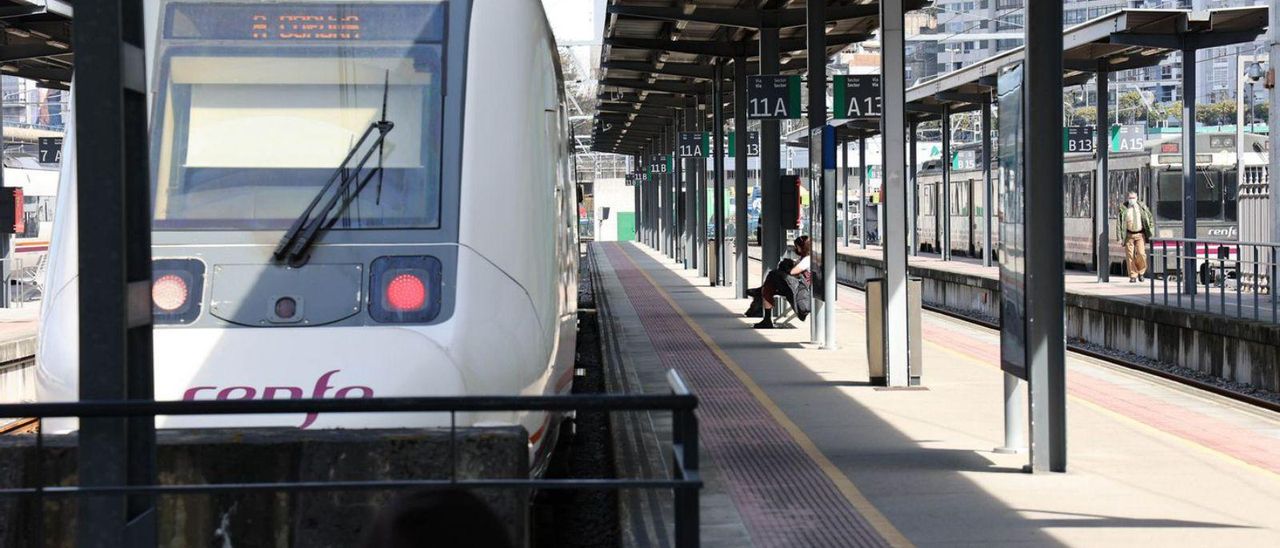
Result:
<point x="1169" y="196"/>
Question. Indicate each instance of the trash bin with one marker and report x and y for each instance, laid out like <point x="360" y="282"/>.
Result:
<point x="713" y="258"/>
<point x="875" y="331"/>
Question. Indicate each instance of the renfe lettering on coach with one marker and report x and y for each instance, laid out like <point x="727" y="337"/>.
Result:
<point x="243" y="392"/>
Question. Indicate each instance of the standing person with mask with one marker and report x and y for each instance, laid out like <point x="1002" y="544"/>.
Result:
<point x="1135" y="230"/>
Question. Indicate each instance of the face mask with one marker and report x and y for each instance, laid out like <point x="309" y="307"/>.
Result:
<point x="1133" y="202"/>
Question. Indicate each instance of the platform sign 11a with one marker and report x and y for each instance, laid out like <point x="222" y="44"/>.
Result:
<point x="694" y="144"/>
<point x="773" y="97"/>
<point x="1128" y="137"/>
<point x="753" y="143"/>
<point x="857" y="96"/>
<point x="1077" y="139"/>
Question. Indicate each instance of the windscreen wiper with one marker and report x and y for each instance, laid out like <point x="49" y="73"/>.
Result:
<point x="294" y="248"/>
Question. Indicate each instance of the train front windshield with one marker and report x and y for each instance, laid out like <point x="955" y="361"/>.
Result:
<point x="258" y="104"/>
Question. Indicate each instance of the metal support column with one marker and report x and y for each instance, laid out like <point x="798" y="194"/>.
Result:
<point x="824" y="209"/>
<point x="676" y="195"/>
<point x="1102" y="148"/>
<point x="944" y="216"/>
<point x="689" y="184"/>
<point x="1189" y="277"/>
<point x="1273" y="120"/>
<point x="988" y="191"/>
<point x="913" y="201"/>
<point x="862" y="191"/>
<point x="717" y="152"/>
<point x="893" y="161"/>
<point x="699" y="201"/>
<point x="771" y="233"/>
<point x="1045" y="336"/>
<point x="741" y="194"/>
<point x="844" y="179"/>
<point x="115" y="265"/>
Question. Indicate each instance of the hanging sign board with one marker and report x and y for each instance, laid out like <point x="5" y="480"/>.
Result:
<point x="857" y="96"/>
<point x="773" y="97"/>
<point x="1128" y="138"/>
<point x="50" y="149"/>
<point x="660" y="164"/>
<point x="1077" y="139"/>
<point x="694" y="144"/>
<point x="753" y="143"/>
<point x="964" y="159"/>
<point x="1013" y="271"/>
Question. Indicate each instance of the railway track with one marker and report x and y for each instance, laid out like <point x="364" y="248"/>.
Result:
<point x="1117" y="361"/>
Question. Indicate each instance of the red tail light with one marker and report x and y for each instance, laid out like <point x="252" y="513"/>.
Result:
<point x="404" y="289"/>
<point x="406" y="293"/>
<point x="169" y="292"/>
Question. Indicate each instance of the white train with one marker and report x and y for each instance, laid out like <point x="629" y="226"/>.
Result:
<point x="438" y="271"/>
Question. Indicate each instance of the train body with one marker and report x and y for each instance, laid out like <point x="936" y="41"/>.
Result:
<point x="424" y="267"/>
<point x="1155" y="173"/>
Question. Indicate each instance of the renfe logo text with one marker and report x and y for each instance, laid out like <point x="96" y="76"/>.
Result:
<point x="320" y="390"/>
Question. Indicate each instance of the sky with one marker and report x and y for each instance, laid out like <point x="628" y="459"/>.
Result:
<point x="573" y="20"/>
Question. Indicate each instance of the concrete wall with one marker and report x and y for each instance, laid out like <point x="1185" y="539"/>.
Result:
<point x="619" y="198"/>
<point x="1237" y="350"/>
<point x="313" y="519"/>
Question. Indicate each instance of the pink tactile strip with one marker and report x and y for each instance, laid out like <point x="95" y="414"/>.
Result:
<point x="783" y="496"/>
<point x="1220" y="436"/>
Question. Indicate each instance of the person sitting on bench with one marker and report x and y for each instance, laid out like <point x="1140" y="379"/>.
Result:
<point x="790" y="278"/>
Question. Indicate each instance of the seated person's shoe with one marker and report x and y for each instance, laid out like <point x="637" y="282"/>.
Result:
<point x="767" y="323"/>
<point x="754" y="312"/>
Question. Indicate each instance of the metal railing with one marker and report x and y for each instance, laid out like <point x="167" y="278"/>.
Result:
<point x="1245" y="270"/>
<point x="685" y="480"/>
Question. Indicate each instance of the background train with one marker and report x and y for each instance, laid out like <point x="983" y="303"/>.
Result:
<point x="1154" y="173"/>
<point x="436" y="272"/>
<point x="39" y="185"/>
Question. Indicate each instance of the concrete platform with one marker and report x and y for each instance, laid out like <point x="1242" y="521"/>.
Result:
<point x="18" y="332"/>
<point x="1151" y="462"/>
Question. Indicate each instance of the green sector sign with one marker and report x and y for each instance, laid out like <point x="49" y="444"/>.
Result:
<point x="753" y="143"/>
<point x="1077" y="139"/>
<point x="857" y="96"/>
<point x="1128" y="137"/>
<point x="773" y="97"/>
<point x="694" y="144"/>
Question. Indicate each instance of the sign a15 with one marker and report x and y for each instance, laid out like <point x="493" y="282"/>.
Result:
<point x="1077" y="139"/>
<point x="694" y="144"/>
<point x="1129" y="137"/>
<point x="773" y="97"/>
<point x="857" y="96"/>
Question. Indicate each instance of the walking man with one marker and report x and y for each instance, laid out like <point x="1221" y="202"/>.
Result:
<point x="1135" y="229"/>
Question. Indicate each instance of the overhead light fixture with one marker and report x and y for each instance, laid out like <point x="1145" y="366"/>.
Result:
<point x="8" y="68"/>
<point x="1120" y="59"/>
<point x="57" y="44"/>
<point x="15" y="31"/>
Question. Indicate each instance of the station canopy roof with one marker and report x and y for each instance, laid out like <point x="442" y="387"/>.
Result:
<point x="1122" y="40"/>
<point x="36" y="42"/>
<point x="658" y="54"/>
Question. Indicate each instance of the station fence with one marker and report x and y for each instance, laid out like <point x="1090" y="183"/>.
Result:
<point x="684" y="481"/>
<point x="1232" y="278"/>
